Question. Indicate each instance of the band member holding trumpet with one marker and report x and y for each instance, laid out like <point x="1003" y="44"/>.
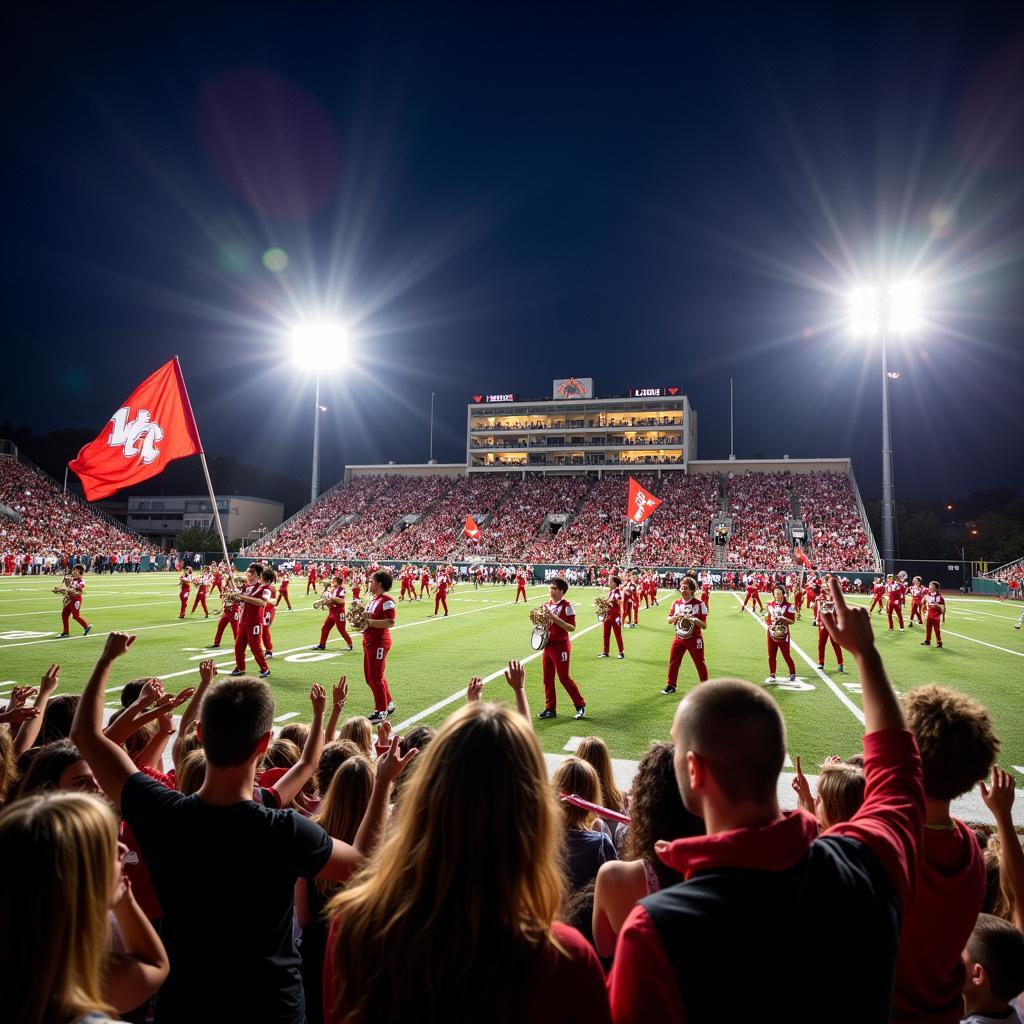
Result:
<point x="257" y="593"/>
<point x="689" y="616"/>
<point x="184" y="589"/>
<point x="613" y="617"/>
<point x="230" y="613"/>
<point x="202" y="589"/>
<point x="780" y="615"/>
<point x="380" y="617"/>
<point x="823" y="603"/>
<point x="73" y="592"/>
<point x="561" y="617"/>
<point x="333" y="599"/>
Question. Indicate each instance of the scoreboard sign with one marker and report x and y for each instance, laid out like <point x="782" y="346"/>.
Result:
<point x="653" y="392"/>
<point x="573" y="387"/>
<point x="492" y="399"/>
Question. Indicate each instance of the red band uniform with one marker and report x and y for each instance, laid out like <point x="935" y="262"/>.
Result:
<point x="824" y="638"/>
<point x="936" y="608"/>
<point x="231" y="614"/>
<point x="184" y="589"/>
<point x="72" y="606"/>
<point x="613" y="620"/>
<point x="376" y="644"/>
<point x="692" y="644"/>
<point x="250" y="627"/>
<point x="335" y="618"/>
<point x="556" y="657"/>
<point x="894" y="592"/>
<point x="777" y="612"/>
<point x="441" y="597"/>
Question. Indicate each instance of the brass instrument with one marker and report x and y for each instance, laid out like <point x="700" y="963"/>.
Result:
<point x="685" y="625"/>
<point x="826" y="607"/>
<point x="778" y="631"/>
<point x="602" y="606"/>
<point x="541" y="616"/>
<point x="358" y="618"/>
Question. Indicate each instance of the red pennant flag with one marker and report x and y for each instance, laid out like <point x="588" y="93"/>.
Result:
<point x="471" y="530"/>
<point x="153" y="427"/>
<point x="641" y="503"/>
<point x="799" y="553"/>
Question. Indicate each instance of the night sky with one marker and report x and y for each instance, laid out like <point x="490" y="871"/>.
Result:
<point x="492" y="196"/>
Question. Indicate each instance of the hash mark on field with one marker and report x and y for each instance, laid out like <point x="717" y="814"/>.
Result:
<point x="286" y="716"/>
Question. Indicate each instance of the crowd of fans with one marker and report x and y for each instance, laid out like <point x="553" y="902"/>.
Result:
<point x="438" y="533"/>
<point x="204" y="869"/>
<point x="679" y="533"/>
<point x="829" y="509"/>
<point x="760" y="504"/>
<point x="54" y="527"/>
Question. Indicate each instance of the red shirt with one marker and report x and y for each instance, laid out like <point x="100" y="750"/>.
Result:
<point x="936" y="605"/>
<point x="380" y="607"/>
<point x="252" y="614"/>
<point x="778" y="611"/>
<point x="614" y="598"/>
<point x="917" y="592"/>
<point x="77" y="588"/>
<point x="442" y="586"/>
<point x="895" y="591"/>
<point x="186" y="583"/>
<point x="693" y="609"/>
<point x="565" y="611"/>
<point x="337" y="610"/>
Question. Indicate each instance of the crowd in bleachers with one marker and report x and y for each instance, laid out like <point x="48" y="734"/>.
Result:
<point x="156" y="870"/>
<point x="829" y="509"/>
<point x="679" y="532"/>
<point x="54" y="527"/>
<point x="760" y="504"/>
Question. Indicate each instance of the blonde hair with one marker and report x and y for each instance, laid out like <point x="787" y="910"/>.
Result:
<point x="477" y="864"/>
<point x="578" y="777"/>
<point x="191" y="772"/>
<point x="841" y="792"/>
<point x="344" y="805"/>
<point x="360" y="732"/>
<point x="8" y="766"/>
<point x="61" y="847"/>
<point x="594" y="751"/>
<point x="280" y="754"/>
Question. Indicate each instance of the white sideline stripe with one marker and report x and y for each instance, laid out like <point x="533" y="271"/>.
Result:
<point x="995" y="647"/>
<point x="336" y="639"/>
<point x="55" y="611"/>
<point x="462" y="693"/>
<point x="820" y="673"/>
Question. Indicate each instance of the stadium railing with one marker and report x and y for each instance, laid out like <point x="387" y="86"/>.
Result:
<point x="994" y="574"/>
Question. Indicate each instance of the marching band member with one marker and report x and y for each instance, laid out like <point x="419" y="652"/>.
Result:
<point x="334" y="600"/>
<point x="894" y="593"/>
<point x="73" y="593"/>
<point x="311" y="578"/>
<point x="282" y="593"/>
<point x="877" y="594"/>
<point x="555" y="658"/>
<point x="520" y="586"/>
<point x="258" y="591"/>
<point x="218" y="579"/>
<point x="780" y="615"/>
<point x="184" y="588"/>
<point x="689" y="616"/>
<point x="230" y="613"/>
<point x="753" y="594"/>
<point x="202" y="589"/>
<point x="613" y="617"/>
<point x="935" y="604"/>
<point x="798" y="596"/>
<point x="630" y="603"/>
<point x="705" y="591"/>
<point x="441" y="592"/>
<point x="823" y="602"/>
<point x="380" y="613"/>
<point x="357" y="584"/>
<point x="917" y="593"/>
<point x="269" y="611"/>
<point x="424" y="581"/>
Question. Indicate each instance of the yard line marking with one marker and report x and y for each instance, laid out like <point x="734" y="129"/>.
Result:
<point x="286" y="716"/>
<point x="55" y="611"/>
<point x="820" y="673"/>
<point x="995" y="647"/>
<point x="462" y="693"/>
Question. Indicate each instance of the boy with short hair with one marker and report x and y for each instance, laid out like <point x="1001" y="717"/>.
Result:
<point x="994" y="967"/>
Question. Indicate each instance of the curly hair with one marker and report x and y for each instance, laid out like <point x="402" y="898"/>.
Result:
<point x="954" y="734"/>
<point x="656" y="812"/>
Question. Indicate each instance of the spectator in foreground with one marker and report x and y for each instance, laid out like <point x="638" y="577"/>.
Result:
<point x="587" y="845"/>
<point x="63" y="851"/>
<point x="958" y="747"/>
<point x="716" y="935"/>
<point x="994" y="972"/>
<point x="223" y="866"/>
<point x="454" y="918"/>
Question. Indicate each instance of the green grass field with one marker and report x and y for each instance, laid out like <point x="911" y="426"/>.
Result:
<point x="432" y="659"/>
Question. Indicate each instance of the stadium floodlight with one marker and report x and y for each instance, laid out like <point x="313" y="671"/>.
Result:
<point x="877" y="313"/>
<point x="320" y="347"/>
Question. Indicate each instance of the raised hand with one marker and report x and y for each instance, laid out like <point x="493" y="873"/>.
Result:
<point x="390" y="764"/>
<point x="998" y="795"/>
<point x="339" y="692"/>
<point x="187" y="694"/>
<point x="802" y="788"/>
<point x="20" y="695"/>
<point x="17" y="715"/>
<point x="152" y="690"/>
<point x="50" y="680"/>
<point x="383" y="736"/>
<point x="117" y="644"/>
<point x="207" y="672"/>
<point x="515" y="675"/>
<point x="318" y="698"/>
<point x="474" y="690"/>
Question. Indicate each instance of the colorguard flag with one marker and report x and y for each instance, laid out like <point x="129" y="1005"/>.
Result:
<point x="471" y="530"/>
<point x="153" y="427"/>
<point x="641" y="503"/>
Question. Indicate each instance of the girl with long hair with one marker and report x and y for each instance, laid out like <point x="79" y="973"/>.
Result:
<point x="454" y="917"/>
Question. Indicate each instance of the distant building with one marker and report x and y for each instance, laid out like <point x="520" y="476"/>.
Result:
<point x="161" y="518"/>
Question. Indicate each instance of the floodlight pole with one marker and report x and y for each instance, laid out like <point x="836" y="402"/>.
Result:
<point x="315" y="489"/>
<point x="888" y="511"/>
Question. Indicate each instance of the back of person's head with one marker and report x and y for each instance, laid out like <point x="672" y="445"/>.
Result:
<point x="954" y="734"/>
<point x="297" y="732"/>
<point x="57" y="718"/>
<point x="61" y="848"/>
<point x="332" y="757"/>
<point x="268" y="575"/>
<point x="189" y="742"/>
<point x="130" y="691"/>
<point x="994" y="960"/>
<point x="140" y="737"/>
<point x="576" y="776"/>
<point x="359" y="731"/>
<point x="594" y="751"/>
<point x="419" y="739"/>
<point x="234" y="717"/>
<point x="346" y="799"/>
<point x="280" y="754"/>
<point x="58" y="765"/>
<point x="478" y="864"/>
<point x="840" y="793"/>
<point x="737" y="731"/>
<point x="384" y="580"/>
<point x="191" y="772"/>
<point x="656" y="811"/>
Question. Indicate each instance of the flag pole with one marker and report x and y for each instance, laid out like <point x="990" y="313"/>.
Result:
<point x="206" y="469"/>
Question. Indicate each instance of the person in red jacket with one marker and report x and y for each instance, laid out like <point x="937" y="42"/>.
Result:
<point x="895" y="594"/>
<point x="184" y="589"/>
<point x="613" y="618"/>
<point x="935" y="604"/>
<point x="753" y="594"/>
<point x="683" y="948"/>
<point x="441" y="594"/>
<point x="958" y="748"/>
<point x="282" y="593"/>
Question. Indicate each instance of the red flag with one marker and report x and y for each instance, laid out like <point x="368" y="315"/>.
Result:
<point x="799" y="552"/>
<point x="641" y="503"/>
<point x="153" y="427"/>
<point x="471" y="530"/>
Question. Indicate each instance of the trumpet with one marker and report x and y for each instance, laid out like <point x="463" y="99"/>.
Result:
<point x="601" y="607"/>
<point x="324" y="601"/>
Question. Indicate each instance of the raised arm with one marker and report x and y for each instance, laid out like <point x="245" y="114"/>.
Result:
<point x="30" y="727"/>
<point x="207" y="674"/>
<point x="999" y="800"/>
<point x="110" y="763"/>
<point x="515" y="676"/>
<point x="339" y="694"/>
<point x="291" y="783"/>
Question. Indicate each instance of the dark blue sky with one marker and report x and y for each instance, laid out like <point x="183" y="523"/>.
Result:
<point x="646" y="194"/>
